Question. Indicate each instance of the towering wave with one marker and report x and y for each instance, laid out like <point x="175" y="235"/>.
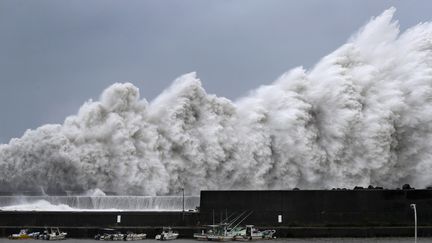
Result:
<point x="362" y="115"/>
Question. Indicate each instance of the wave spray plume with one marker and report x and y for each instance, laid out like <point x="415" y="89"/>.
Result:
<point x="362" y="115"/>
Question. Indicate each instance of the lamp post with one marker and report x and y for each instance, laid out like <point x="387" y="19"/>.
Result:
<point x="413" y="206"/>
<point x="183" y="199"/>
<point x="183" y="202"/>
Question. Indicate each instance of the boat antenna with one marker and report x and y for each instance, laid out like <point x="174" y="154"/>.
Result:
<point x="226" y="220"/>
<point x="236" y="218"/>
<point x="243" y="219"/>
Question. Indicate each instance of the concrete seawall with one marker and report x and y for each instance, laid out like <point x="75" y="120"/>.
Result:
<point x="303" y="213"/>
<point x="321" y="208"/>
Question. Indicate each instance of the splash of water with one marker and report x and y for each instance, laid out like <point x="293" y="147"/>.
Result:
<point x="98" y="203"/>
<point x="362" y="115"/>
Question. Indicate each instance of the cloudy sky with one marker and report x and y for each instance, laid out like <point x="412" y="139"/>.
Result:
<point x="55" y="55"/>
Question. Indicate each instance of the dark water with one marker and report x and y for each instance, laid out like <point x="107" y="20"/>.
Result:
<point x="303" y="240"/>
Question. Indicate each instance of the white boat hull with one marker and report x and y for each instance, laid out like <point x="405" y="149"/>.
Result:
<point x="172" y="236"/>
<point x="56" y="237"/>
<point x="200" y="236"/>
<point x="247" y="238"/>
<point x="131" y="237"/>
<point x="219" y="237"/>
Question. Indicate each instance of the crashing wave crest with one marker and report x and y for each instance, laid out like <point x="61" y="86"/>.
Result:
<point x="362" y="115"/>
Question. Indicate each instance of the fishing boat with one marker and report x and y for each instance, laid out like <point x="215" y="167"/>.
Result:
<point x="250" y="233"/>
<point x="221" y="232"/>
<point x="21" y="235"/>
<point x="53" y="234"/>
<point x="111" y="234"/>
<point x="132" y="236"/>
<point x="107" y="236"/>
<point x="210" y="229"/>
<point x="226" y="230"/>
<point x="167" y="234"/>
<point x="114" y="236"/>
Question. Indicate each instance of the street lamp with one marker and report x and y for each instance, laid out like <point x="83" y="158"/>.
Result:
<point x="183" y="199"/>
<point x="183" y="202"/>
<point x="413" y="206"/>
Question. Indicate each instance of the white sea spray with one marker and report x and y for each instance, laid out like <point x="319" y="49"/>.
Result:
<point x="362" y="115"/>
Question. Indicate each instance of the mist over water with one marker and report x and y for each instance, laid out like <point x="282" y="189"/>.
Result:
<point x="362" y="115"/>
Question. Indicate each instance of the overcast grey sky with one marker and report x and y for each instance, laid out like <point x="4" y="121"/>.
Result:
<point x="55" y="55"/>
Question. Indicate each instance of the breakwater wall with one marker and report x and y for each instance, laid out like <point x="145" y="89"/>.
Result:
<point x="320" y="208"/>
<point x="293" y="213"/>
<point x="87" y="224"/>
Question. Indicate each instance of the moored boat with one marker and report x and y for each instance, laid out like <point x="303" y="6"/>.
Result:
<point x="210" y="229"/>
<point x="21" y="235"/>
<point x="132" y="236"/>
<point x="53" y="234"/>
<point x="221" y="232"/>
<point x="167" y="234"/>
<point x="110" y="234"/>
<point x="224" y="231"/>
<point x="114" y="236"/>
<point x="250" y="233"/>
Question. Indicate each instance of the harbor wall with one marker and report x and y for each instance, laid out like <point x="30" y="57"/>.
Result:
<point x="303" y="213"/>
<point x="87" y="224"/>
<point x="320" y="208"/>
<point x="97" y="219"/>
